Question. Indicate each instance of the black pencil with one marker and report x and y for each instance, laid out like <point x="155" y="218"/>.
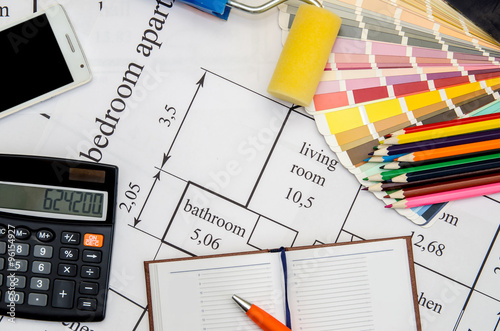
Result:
<point x="390" y="186"/>
<point x="445" y="171"/>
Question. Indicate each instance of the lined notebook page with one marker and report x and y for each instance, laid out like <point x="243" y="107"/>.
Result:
<point x="355" y="287"/>
<point x="196" y="295"/>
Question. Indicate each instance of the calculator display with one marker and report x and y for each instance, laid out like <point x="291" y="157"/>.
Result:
<point x="53" y="201"/>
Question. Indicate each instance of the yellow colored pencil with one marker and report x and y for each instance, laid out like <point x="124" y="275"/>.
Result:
<point x="443" y="132"/>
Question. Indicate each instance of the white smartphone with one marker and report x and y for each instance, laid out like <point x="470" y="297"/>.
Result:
<point x="39" y="57"/>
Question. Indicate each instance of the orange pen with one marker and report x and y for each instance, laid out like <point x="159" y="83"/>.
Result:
<point x="265" y="321"/>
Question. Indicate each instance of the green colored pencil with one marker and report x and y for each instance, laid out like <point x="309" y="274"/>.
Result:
<point x="393" y="173"/>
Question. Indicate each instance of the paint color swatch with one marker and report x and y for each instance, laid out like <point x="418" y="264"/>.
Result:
<point x="397" y="64"/>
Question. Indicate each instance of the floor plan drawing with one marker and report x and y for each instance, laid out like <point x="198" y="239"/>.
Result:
<point x="210" y="164"/>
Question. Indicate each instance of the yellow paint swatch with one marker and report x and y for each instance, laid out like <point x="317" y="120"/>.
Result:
<point x="382" y="110"/>
<point x="417" y="101"/>
<point x="343" y="120"/>
<point x="456" y="91"/>
<point x="493" y="81"/>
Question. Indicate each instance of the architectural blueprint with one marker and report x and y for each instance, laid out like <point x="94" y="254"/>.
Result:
<point x="209" y="163"/>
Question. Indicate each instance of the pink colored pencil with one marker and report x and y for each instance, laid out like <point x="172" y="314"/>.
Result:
<point x="440" y="197"/>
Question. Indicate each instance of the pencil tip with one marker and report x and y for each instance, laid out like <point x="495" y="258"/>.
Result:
<point x="388" y="206"/>
<point x="365" y="188"/>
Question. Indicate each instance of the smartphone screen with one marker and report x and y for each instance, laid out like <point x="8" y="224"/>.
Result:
<point x="31" y="61"/>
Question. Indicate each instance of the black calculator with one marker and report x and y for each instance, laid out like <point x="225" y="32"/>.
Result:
<point x="56" y="234"/>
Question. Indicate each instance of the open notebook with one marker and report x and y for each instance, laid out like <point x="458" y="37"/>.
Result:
<point x="365" y="285"/>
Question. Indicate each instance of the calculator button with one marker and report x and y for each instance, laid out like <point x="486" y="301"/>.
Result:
<point x="42" y="251"/>
<point x="62" y="296"/>
<point x="21" y="249"/>
<point x="37" y="299"/>
<point x="3" y="247"/>
<point x="2" y="263"/>
<point x="1" y="279"/>
<point x="87" y="304"/>
<point x="41" y="267"/>
<point x="3" y="230"/>
<point x="15" y="297"/>
<point x="45" y="235"/>
<point x="22" y="233"/>
<point x="38" y="283"/>
<point x="93" y="240"/>
<point x="16" y="281"/>
<point x="90" y="255"/>
<point x="90" y="272"/>
<point x="67" y="269"/>
<point x="89" y="288"/>
<point x="18" y="265"/>
<point x="68" y="254"/>
<point x="72" y="238"/>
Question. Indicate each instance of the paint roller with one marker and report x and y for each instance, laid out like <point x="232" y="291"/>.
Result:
<point x="306" y="49"/>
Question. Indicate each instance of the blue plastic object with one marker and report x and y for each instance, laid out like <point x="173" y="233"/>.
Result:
<point x="217" y="8"/>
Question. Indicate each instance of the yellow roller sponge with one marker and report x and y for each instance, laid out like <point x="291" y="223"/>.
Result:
<point x="304" y="55"/>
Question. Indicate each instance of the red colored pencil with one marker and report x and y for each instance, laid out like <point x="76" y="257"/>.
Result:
<point x="439" y="125"/>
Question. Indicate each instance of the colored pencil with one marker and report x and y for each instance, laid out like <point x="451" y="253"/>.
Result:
<point x="379" y="159"/>
<point x="432" y="126"/>
<point x="461" y="139"/>
<point x="437" y="153"/>
<point x="410" y="192"/>
<point x="392" y="186"/>
<point x="444" y="132"/>
<point x="384" y="187"/>
<point x="432" y="166"/>
<point x="435" y="198"/>
<point x="402" y="165"/>
<point x="445" y="171"/>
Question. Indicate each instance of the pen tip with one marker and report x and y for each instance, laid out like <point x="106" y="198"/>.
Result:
<point x="245" y="305"/>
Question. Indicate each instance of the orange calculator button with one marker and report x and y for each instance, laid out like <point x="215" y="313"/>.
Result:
<point x="93" y="240"/>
